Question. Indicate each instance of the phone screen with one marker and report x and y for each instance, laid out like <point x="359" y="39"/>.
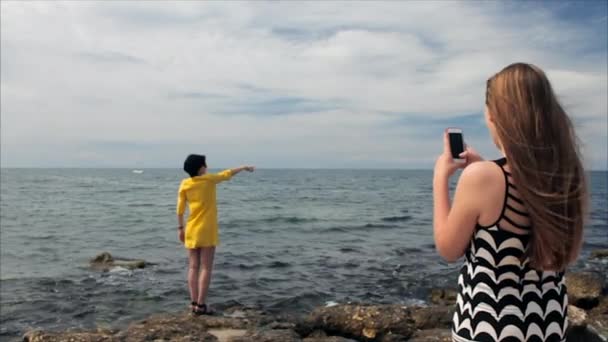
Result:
<point x="456" y="144"/>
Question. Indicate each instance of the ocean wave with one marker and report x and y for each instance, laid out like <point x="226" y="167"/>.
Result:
<point x="303" y="302"/>
<point x="279" y="264"/>
<point x="269" y="220"/>
<point x="143" y="205"/>
<point x="407" y="250"/>
<point x="365" y="227"/>
<point x="397" y="218"/>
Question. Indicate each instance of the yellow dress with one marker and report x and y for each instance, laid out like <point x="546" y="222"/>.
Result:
<point x="199" y="193"/>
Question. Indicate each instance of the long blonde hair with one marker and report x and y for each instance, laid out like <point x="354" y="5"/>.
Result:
<point x="541" y="147"/>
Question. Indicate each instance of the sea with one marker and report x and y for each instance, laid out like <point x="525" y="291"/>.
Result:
<point x="291" y="240"/>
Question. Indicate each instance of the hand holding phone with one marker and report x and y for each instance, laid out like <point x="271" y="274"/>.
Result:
<point x="456" y="142"/>
<point x="450" y="160"/>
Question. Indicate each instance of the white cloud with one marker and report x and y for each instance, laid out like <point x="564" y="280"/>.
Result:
<point x="184" y="75"/>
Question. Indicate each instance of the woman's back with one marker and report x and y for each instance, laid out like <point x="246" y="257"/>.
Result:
<point x="501" y="296"/>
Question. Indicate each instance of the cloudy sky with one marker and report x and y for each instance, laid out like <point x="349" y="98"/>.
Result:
<point x="281" y="84"/>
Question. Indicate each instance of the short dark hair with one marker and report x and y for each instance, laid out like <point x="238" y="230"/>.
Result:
<point x="193" y="163"/>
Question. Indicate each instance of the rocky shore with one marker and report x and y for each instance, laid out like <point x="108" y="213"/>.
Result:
<point x="588" y="315"/>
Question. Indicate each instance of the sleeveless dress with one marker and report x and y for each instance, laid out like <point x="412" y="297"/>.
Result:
<point x="501" y="298"/>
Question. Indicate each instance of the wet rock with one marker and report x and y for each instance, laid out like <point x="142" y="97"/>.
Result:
<point x="390" y="337"/>
<point x="583" y="334"/>
<point x="597" y="319"/>
<point x="183" y="327"/>
<point x="280" y="325"/>
<point x="584" y="289"/>
<point x="321" y="336"/>
<point x="328" y="339"/>
<point x="443" y="296"/>
<point x="433" y="335"/>
<point x="591" y="326"/>
<point x="599" y="254"/>
<point x="39" y="336"/>
<point x="364" y="322"/>
<point x="105" y="262"/>
<point x="269" y="335"/>
<point x="227" y="334"/>
<point x="432" y="317"/>
<point x="576" y="317"/>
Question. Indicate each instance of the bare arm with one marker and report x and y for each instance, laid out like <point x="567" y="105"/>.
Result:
<point x="453" y="224"/>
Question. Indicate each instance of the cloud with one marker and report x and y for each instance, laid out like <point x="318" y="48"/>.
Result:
<point x="109" y="57"/>
<point x="281" y="83"/>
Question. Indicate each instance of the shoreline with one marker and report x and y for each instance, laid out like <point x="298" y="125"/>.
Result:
<point x="587" y="313"/>
<point x="336" y="322"/>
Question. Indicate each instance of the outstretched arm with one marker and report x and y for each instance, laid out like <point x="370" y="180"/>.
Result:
<point x="227" y="174"/>
<point x="241" y="169"/>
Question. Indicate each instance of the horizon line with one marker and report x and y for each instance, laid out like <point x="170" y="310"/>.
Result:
<point x="225" y="168"/>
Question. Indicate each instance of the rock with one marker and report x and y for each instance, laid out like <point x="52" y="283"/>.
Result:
<point x="576" y="317"/>
<point x="168" y="327"/>
<point x="39" y="336"/>
<point x="599" y="254"/>
<point x="393" y="338"/>
<point x="597" y="319"/>
<point x="321" y="336"/>
<point x="584" y="289"/>
<point x="328" y="339"/>
<point x="433" y="335"/>
<point x="583" y="334"/>
<point x="443" y="296"/>
<point x="589" y="326"/>
<point x="432" y="317"/>
<point x="364" y="322"/>
<point x="180" y="328"/>
<point x="269" y="335"/>
<point x="105" y="262"/>
<point x="103" y="258"/>
<point x="280" y="325"/>
<point x="227" y="334"/>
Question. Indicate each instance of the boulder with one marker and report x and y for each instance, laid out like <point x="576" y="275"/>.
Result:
<point x="433" y="335"/>
<point x="40" y="336"/>
<point x="443" y="296"/>
<point x="105" y="262"/>
<point x="321" y="336"/>
<point x="599" y="254"/>
<point x="584" y="289"/>
<point x="184" y="327"/>
<point x="433" y="317"/>
<point x="377" y="322"/>
<point x="576" y="317"/>
<point x="269" y="335"/>
<point x="597" y="319"/>
<point x="589" y="326"/>
<point x="328" y="339"/>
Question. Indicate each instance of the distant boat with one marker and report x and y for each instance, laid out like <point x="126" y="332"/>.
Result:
<point x="138" y="171"/>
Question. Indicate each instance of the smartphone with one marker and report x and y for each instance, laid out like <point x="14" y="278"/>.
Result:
<point x="456" y="142"/>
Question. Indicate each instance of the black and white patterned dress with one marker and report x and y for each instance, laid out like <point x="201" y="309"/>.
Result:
<point x="501" y="298"/>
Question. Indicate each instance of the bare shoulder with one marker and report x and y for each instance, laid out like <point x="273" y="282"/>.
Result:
<point x="481" y="173"/>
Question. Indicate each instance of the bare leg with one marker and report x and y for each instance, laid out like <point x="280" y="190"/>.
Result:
<point x="206" y="261"/>
<point x="193" y="270"/>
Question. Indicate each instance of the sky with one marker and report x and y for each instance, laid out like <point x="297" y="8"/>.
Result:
<point x="282" y="84"/>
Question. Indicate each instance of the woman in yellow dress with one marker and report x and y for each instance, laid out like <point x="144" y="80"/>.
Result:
<point x="200" y="234"/>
